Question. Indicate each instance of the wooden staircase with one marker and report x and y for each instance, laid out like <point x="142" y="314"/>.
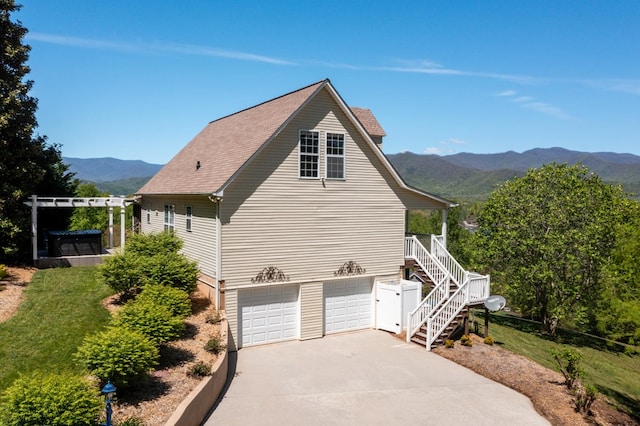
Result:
<point x="453" y="290"/>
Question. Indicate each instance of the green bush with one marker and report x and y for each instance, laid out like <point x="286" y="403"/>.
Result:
<point x="131" y="421"/>
<point x="175" y="300"/>
<point x="3" y="271"/>
<point x="148" y="245"/>
<point x="568" y="361"/>
<point x="154" y="321"/>
<point x="465" y="340"/>
<point x="449" y="343"/>
<point x="489" y="340"/>
<point x="119" y="354"/>
<point x="51" y="399"/>
<point x="215" y="345"/>
<point x="199" y="369"/>
<point x="142" y="265"/>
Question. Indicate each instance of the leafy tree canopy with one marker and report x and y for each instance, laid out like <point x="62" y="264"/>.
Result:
<point x="29" y="165"/>
<point x="545" y="237"/>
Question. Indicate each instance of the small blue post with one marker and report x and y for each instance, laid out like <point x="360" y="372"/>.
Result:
<point x="108" y="390"/>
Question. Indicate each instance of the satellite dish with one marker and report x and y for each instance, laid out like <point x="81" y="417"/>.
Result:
<point x="495" y="303"/>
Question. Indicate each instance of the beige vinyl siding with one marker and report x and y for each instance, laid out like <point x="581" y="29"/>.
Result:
<point x="306" y="227"/>
<point x="311" y="310"/>
<point x="199" y="243"/>
<point x="231" y="310"/>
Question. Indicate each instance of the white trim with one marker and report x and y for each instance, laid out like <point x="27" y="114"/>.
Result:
<point x="343" y="156"/>
<point x="317" y="156"/>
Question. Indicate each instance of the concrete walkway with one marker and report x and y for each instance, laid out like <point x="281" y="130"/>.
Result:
<point x="367" y="377"/>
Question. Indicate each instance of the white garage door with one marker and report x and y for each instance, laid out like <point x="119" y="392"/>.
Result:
<point x="347" y="305"/>
<point x="268" y="314"/>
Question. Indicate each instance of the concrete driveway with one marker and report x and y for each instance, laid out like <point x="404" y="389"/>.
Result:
<point x="367" y="377"/>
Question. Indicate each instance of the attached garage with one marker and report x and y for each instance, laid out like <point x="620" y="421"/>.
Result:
<point x="268" y="314"/>
<point x="347" y="305"/>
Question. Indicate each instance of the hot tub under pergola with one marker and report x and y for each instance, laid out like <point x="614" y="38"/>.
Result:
<point x="70" y="202"/>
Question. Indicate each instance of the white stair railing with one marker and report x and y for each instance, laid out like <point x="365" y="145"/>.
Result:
<point x="440" y="252"/>
<point x="438" y="309"/>
<point x="437" y="274"/>
<point x="441" y="319"/>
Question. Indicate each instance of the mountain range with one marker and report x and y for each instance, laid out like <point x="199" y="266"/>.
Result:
<point x="462" y="176"/>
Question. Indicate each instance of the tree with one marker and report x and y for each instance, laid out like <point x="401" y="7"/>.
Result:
<point x="617" y="313"/>
<point x="29" y="165"/>
<point x="89" y="217"/>
<point x="544" y="238"/>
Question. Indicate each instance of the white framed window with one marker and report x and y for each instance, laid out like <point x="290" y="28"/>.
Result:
<point x="148" y="216"/>
<point x="169" y="217"/>
<point x="309" y="154"/>
<point x="334" y="164"/>
<point x="189" y="217"/>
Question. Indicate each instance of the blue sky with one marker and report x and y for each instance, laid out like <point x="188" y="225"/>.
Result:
<point x="139" y="79"/>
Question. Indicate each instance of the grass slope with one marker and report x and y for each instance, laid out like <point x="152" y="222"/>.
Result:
<point x="60" y="307"/>
<point x="606" y="366"/>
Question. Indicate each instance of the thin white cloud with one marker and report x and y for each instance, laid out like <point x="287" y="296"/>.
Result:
<point x="433" y="150"/>
<point x="521" y="99"/>
<point x="453" y="141"/>
<point x="548" y="109"/>
<point x="531" y="103"/>
<point x="631" y="86"/>
<point x="184" y="49"/>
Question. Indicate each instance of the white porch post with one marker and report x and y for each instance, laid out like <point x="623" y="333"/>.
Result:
<point x="34" y="227"/>
<point x="122" y="227"/>
<point x="444" y="227"/>
<point x="110" y="226"/>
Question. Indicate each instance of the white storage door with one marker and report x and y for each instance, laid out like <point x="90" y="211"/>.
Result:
<point x="347" y="305"/>
<point x="268" y="314"/>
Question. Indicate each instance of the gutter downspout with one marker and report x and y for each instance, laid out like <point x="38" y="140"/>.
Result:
<point x="217" y="199"/>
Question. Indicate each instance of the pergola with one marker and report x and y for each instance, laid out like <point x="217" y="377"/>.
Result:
<point x="59" y="202"/>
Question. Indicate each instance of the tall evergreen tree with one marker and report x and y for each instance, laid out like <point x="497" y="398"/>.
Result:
<point x="28" y="164"/>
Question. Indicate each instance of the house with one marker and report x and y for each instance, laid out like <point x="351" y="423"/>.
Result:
<point x="292" y="212"/>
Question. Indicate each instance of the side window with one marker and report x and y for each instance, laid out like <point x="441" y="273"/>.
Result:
<point x="309" y="154"/>
<point x="189" y="217"/>
<point x="335" y="156"/>
<point x="149" y="216"/>
<point x="169" y="217"/>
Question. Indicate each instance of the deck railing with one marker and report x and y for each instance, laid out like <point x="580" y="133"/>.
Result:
<point x="439" y="308"/>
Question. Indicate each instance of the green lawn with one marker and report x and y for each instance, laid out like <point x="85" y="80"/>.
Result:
<point x="614" y="373"/>
<point x="61" y="306"/>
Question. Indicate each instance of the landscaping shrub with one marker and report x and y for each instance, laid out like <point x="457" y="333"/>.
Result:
<point x="465" y="340"/>
<point x="119" y="354"/>
<point x="51" y="399"/>
<point x="449" y="343"/>
<point x="199" y="369"/>
<point x="489" y="340"/>
<point x="175" y="300"/>
<point x="171" y="269"/>
<point x="131" y="421"/>
<point x="3" y="271"/>
<point x="150" y="259"/>
<point x="215" y="345"/>
<point x="154" y="321"/>
<point x="584" y="398"/>
<point x="214" y="318"/>
<point x="568" y="361"/>
<point x="147" y="245"/>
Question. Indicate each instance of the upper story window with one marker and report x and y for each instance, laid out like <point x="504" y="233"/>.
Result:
<point x="335" y="156"/>
<point x="309" y="154"/>
<point x="189" y="217"/>
<point x="169" y="217"/>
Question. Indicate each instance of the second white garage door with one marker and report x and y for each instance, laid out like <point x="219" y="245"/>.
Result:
<point x="268" y="314"/>
<point x="347" y="305"/>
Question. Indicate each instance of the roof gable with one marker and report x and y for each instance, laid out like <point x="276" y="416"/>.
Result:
<point x="212" y="159"/>
<point x="225" y="145"/>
